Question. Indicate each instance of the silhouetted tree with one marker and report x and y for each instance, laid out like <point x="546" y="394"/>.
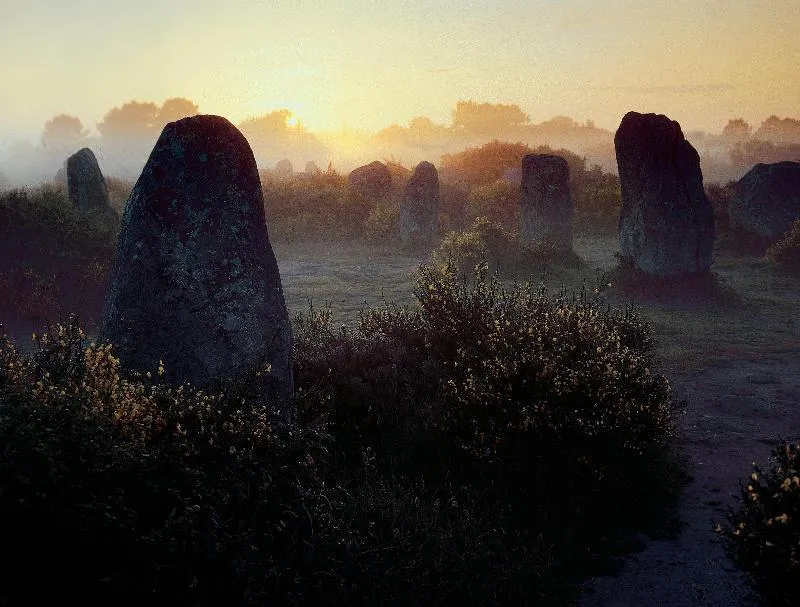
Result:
<point x="132" y="121"/>
<point x="478" y="118"/>
<point x="487" y="163"/>
<point x="559" y="124"/>
<point x="63" y="131"/>
<point x="271" y="138"/>
<point x="746" y="155"/>
<point x="175" y="109"/>
<point x="737" y="130"/>
<point x="777" y="130"/>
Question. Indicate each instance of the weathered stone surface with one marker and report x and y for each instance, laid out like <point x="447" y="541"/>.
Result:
<point x="195" y="282"/>
<point x="85" y="183"/>
<point x="372" y="180"/>
<point x="666" y="224"/>
<point x="766" y="201"/>
<point x="512" y="175"/>
<point x="312" y="168"/>
<point x="546" y="212"/>
<point x="419" y="212"/>
<point x="284" y="168"/>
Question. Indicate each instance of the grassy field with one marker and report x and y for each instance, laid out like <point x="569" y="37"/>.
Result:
<point x="762" y="316"/>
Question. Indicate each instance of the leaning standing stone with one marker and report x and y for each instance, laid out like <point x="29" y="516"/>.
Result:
<point x="766" y="201"/>
<point x="666" y="224"/>
<point x="85" y="183"/>
<point x="372" y="180"/>
<point x="195" y="282"/>
<point x="419" y="213"/>
<point x="546" y="213"/>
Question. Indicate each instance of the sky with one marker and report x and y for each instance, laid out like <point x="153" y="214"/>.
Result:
<point x="362" y="64"/>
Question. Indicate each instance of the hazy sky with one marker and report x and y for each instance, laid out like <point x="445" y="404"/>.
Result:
<point x="367" y="64"/>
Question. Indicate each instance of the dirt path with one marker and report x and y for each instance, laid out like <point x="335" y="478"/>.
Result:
<point x="735" y="411"/>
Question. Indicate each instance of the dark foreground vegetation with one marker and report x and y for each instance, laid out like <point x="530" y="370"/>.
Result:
<point x="762" y="535"/>
<point x="487" y="447"/>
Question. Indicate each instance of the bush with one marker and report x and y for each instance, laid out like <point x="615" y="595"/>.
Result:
<point x="498" y="201"/>
<point x="763" y="534"/>
<point x="519" y="408"/>
<point x="54" y="258"/>
<point x="785" y="253"/>
<point x="597" y="198"/>
<point x="488" y="241"/>
<point x="118" y="192"/>
<point x="128" y="491"/>
<point x="317" y="207"/>
<point x="485" y="240"/>
<point x="493" y="367"/>
<point x="383" y="223"/>
<point x="487" y="163"/>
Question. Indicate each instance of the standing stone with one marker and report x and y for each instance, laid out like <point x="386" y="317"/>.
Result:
<point x="85" y="183"/>
<point x="284" y="169"/>
<point x="546" y="213"/>
<point x="312" y="168"/>
<point x="666" y="224"/>
<point x="371" y="181"/>
<point x="195" y="282"/>
<point x="419" y="213"/>
<point x="766" y="201"/>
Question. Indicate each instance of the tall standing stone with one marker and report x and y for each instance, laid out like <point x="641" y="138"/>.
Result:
<point x="666" y="224"/>
<point x="419" y="212"/>
<point x="546" y="212"/>
<point x="372" y="180"/>
<point x="195" y="282"/>
<point x="766" y="201"/>
<point x="85" y="183"/>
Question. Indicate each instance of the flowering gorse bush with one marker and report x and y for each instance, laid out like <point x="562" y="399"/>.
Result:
<point x="763" y="534"/>
<point x="170" y="492"/>
<point x="491" y="367"/>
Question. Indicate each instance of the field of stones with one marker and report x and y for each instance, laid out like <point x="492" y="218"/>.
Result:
<point x="404" y="387"/>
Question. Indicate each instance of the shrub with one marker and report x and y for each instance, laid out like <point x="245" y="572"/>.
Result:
<point x="492" y="366"/>
<point x="597" y="198"/>
<point x="498" y="201"/>
<point x="453" y="200"/>
<point x="129" y="491"/>
<point x="383" y="223"/>
<point x="118" y="192"/>
<point x="484" y="240"/>
<point x="318" y="207"/>
<point x="487" y="163"/>
<point x="487" y="241"/>
<point x="763" y="534"/>
<point x="53" y="257"/>
<point x="520" y="408"/>
<point x="785" y="253"/>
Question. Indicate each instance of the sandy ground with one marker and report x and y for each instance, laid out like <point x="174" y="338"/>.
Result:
<point x="735" y="412"/>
